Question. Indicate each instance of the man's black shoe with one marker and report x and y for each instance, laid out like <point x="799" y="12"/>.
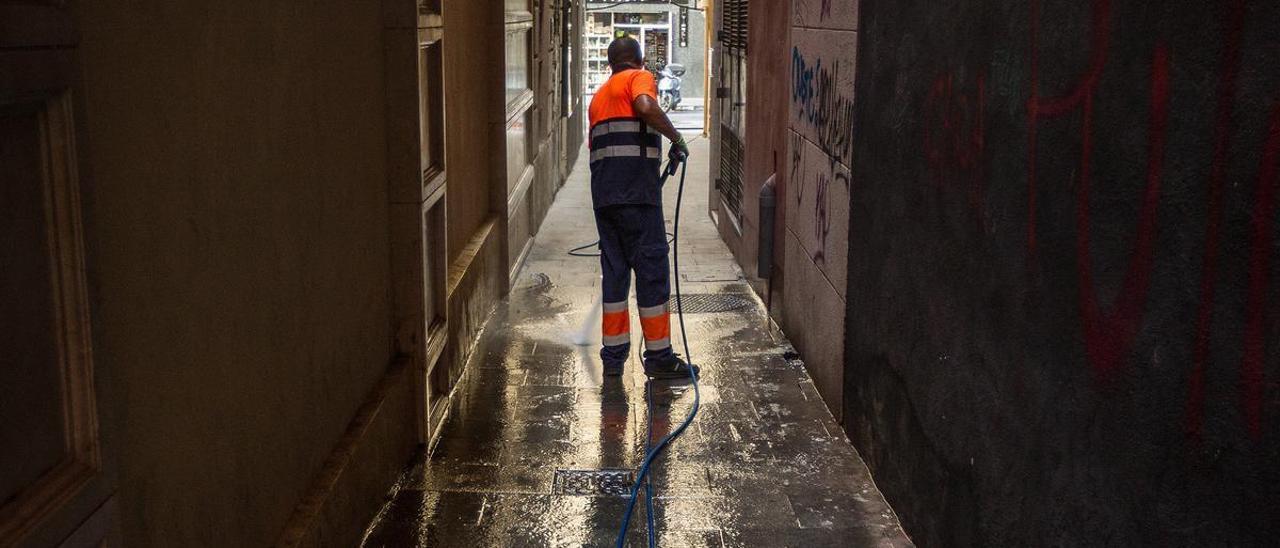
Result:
<point x="669" y="368"/>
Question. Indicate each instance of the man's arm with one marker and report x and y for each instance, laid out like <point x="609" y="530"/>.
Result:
<point x="649" y="111"/>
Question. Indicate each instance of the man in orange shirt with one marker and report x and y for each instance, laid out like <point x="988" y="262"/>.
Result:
<point x="626" y="192"/>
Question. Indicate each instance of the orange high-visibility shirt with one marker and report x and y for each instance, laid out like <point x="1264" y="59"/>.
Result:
<point x="615" y="97"/>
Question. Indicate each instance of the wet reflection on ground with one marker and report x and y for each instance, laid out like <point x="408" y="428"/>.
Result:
<point x="764" y="464"/>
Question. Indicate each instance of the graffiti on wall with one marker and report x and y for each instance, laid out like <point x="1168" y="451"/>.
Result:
<point x="817" y="185"/>
<point x="797" y="157"/>
<point x="954" y="120"/>
<point x="954" y="153"/>
<point x="820" y="106"/>
<point x="1110" y="335"/>
<point x="1261" y="225"/>
<point x="824" y="8"/>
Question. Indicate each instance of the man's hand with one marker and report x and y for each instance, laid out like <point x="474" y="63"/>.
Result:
<point x="676" y="155"/>
<point x="679" y="152"/>
<point x="649" y="111"/>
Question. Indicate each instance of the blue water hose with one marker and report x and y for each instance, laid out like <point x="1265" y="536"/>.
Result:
<point x="654" y="451"/>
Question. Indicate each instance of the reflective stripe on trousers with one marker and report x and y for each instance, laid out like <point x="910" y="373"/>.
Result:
<point x="615" y="324"/>
<point x="655" y="321"/>
<point x="633" y="240"/>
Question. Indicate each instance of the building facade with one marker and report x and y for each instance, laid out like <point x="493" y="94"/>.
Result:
<point x="668" y="32"/>
<point x="768" y="127"/>
<point x="1024" y="249"/>
<point x="263" y="238"/>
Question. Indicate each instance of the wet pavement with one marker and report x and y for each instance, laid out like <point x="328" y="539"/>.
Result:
<point x="764" y="463"/>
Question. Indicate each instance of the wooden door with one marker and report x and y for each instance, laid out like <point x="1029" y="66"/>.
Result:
<point x="54" y="485"/>
<point x="432" y="230"/>
<point x="413" y="36"/>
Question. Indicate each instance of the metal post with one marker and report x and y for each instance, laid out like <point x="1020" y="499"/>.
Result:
<point x="768" y="204"/>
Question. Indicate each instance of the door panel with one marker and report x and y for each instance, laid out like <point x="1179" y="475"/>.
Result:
<point x="415" y="78"/>
<point x="49" y="414"/>
<point x="32" y="440"/>
<point x="433" y="257"/>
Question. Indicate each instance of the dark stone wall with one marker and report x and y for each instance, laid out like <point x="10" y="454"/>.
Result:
<point x="1064" y="299"/>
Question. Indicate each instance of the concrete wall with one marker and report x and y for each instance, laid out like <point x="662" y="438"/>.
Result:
<point x="576" y="122"/>
<point x="819" y="95"/>
<point x="237" y="235"/>
<point x="476" y="184"/>
<point x="767" y="139"/>
<point x="1062" y="289"/>
<point x="533" y="188"/>
<point x="550" y="70"/>
<point x="795" y="132"/>
<point x="473" y="154"/>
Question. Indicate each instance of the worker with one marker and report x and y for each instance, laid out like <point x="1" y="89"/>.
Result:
<point x="626" y="193"/>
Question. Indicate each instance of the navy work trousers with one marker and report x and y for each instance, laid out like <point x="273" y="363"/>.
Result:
<point x="633" y="238"/>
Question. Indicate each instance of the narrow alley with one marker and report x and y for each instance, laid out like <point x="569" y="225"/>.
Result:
<point x="955" y="273"/>
<point x="764" y="463"/>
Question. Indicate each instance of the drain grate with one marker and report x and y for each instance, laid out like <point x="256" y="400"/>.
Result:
<point x="609" y="482"/>
<point x="702" y="303"/>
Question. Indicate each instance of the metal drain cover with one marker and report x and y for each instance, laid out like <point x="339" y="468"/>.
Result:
<point x="700" y="303"/>
<point x="593" y="482"/>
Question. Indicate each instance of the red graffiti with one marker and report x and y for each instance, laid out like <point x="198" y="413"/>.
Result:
<point x="1049" y="107"/>
<point x="1226" y="91"/>
<point x="1261" y="228"/>
<point x="1109" y="337"/>
<point x="955" y="137"/>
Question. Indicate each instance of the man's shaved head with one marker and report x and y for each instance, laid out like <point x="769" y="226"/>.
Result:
<point x="624" y="53"/>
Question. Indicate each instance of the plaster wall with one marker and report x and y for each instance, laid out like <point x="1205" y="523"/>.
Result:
<point x="1062" y="293"/>
<point x="474" y="119"/>
<point x="819" y="95"/>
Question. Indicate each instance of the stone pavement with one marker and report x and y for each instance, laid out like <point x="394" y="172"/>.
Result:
<point x="764" y="463"/>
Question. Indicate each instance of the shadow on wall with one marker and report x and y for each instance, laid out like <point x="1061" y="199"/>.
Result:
<point x="1062" y="294"/>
